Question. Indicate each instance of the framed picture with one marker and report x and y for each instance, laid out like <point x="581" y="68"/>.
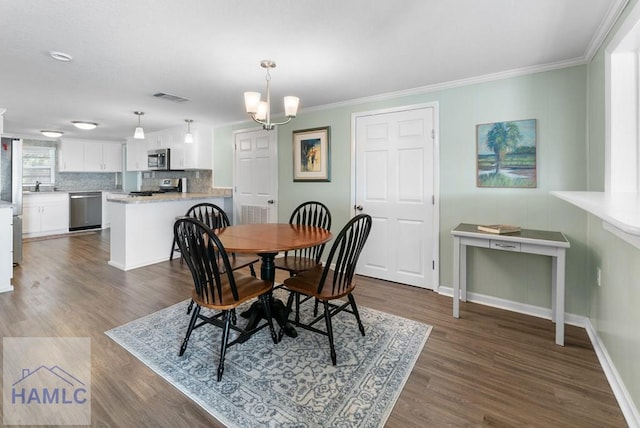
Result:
<point x="506" y="154"/>
<point x="311" y="157"/>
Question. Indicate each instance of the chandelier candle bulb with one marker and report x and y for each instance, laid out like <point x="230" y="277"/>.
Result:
<point x="261" y="113"/>
<point x="251" y="101"/>
<point x="291" y="106"/>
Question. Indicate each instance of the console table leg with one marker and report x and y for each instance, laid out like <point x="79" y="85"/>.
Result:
<point x="559" y="268"/>
<point x="456" y="277"/>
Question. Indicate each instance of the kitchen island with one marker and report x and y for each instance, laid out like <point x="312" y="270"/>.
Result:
<point x="142" y="226"/>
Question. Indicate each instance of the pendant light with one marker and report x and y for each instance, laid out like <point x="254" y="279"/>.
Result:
<point x="139" y="133"/>
<point x="260" y="111"/>
<point x="188" y="138"/>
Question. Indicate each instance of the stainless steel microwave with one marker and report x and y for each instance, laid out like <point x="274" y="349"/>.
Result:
<point x="159" y="159"/>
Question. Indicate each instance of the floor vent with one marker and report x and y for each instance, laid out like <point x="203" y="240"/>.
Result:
<point x="254" y="214"/>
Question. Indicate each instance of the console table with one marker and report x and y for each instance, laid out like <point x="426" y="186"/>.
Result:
<point x="552" y="244"/>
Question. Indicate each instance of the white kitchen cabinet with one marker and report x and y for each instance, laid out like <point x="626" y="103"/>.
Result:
<point x="90" y="156"/>
<point x="198" y="154"/>
<point x="112" y="157"/>
<point x="156" y="140"/>
<point x="136" y="155"/>
<point x="102" y="157"/>
<point x="183" y="156"/>
<point x="45" y="213"/>
<point x="6" y="247"/>
<point x="71" y="156"/>
<point x="176" y="144"/>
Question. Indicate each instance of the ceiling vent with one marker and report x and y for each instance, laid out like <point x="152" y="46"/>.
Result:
<point x="169" y="97"/>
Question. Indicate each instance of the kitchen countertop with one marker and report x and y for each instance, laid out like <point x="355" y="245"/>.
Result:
<point x="125" y="198"/>
<point x="47" y="192"/>
<point x="5" y="204"/>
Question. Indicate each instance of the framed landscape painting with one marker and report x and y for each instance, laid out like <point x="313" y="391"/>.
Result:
<point x="506" y="154"/>
<point x="311" y="161"/>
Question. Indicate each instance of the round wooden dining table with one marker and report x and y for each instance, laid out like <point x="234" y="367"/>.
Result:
<point x="267" y="240"/>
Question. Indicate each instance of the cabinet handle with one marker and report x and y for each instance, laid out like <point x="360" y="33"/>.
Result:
<point x="505" y="246"/>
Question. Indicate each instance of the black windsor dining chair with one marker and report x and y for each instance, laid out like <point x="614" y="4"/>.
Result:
<point x="217" y="286"/>
<point x="326" y="284"/>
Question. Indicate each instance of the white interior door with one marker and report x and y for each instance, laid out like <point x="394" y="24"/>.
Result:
<point x="395" y="184"/>
<point x="255" y="177"/>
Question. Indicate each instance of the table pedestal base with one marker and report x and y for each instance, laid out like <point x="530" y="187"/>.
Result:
<point x="278" y="312"/>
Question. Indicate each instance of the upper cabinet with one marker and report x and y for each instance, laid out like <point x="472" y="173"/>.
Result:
<point x="136" y="155"/>
<point x="199" y="154"/>
<point x="71" y="156"/>
<point x="90" y="156"/>
<point x="196" y="155"/>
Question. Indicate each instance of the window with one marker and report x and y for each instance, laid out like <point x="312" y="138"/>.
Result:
<point x="38" y="164"/>
<point x="622" y="128"/>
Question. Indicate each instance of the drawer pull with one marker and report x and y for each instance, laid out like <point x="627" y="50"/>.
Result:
<point x="505" y="246"/>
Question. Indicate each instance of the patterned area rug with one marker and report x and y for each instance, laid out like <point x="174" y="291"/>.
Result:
<point x="291" y="384"/>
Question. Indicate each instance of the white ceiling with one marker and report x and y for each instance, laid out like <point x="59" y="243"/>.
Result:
<point x="209" y="51"/>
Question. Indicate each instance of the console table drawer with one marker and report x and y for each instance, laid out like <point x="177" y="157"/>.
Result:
<point x="505" y="245"/>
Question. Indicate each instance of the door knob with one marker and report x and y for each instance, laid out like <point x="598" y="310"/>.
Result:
<point x="270" y="201"/>
<point x="358" y="207"/>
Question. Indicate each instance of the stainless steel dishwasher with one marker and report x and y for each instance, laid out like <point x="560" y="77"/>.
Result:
<point x="85" y="210"/>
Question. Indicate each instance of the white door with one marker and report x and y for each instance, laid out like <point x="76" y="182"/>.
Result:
<point x="255" y="177"/>
<point x="395" y="185"/>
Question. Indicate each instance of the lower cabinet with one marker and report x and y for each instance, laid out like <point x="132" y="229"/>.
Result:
<point x="6" y="248"/>
<point x="45" y="214"/>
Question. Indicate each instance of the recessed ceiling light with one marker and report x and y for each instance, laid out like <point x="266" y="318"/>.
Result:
<point x="52" y="134"/>
<point x="60" y="56"/>
<point x="84" y="125"/>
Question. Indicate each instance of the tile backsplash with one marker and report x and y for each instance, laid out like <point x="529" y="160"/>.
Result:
<point x="198" y="181"/>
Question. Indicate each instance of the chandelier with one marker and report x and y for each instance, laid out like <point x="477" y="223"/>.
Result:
<point x="260" y="111"/>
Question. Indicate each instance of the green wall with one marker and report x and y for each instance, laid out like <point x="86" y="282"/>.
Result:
<point x="556" y="99"/>
<point x="614" y="308"/>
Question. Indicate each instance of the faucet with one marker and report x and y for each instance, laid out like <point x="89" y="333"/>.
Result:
<point x="37" y="186"/>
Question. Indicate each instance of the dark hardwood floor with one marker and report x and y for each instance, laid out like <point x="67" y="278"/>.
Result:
<point x="489" y="368"/>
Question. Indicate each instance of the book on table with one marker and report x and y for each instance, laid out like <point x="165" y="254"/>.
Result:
<point x="499" y="229"/>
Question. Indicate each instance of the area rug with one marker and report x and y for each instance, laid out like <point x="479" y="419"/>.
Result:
<point x="291" y="384"/>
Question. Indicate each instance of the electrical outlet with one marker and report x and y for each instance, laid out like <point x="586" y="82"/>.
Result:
<point x="599" y="276"/>
<point x="197" y="174"/>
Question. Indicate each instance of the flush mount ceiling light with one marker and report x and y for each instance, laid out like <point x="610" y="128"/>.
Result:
<point x="60" y="56"/>
<point x="260" y="111"/>
<point x="139" y="133"/>
<point x="188" y="138"/>
<point x="80" y="124"/>
<point x="51" y="134"/>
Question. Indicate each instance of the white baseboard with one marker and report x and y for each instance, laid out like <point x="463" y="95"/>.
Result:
<point x="509" y="305"/>
<point x="629" y="409"/>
